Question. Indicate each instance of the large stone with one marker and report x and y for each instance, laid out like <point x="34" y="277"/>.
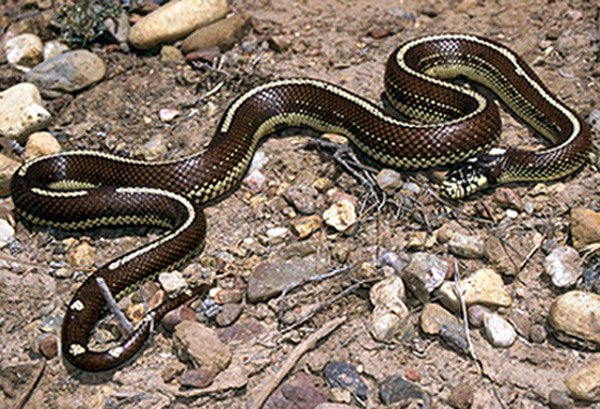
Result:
<point x="575" y="314"/>
<point x="584" y="384"/>
<point x="21" y="111"/>
<point x="175" y="20"/>
<point x="201" y="346"/>
<point x="24" y="51"/>
<point x="40" y="144"/>
<point x="68" y="72"/>
<point x="223" y="34"/>
<point x="484" y="287"/>
<point x="585" y="227"/>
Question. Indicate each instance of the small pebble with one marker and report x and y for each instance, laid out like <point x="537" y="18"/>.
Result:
<point x="172" y="370"/>
<point x="172" y="283"/>
<point x="196" y="378"/>
<point x="538" y="334"/>
<point x="344" y="376"/>
<point x="397" y="390"/>
<point x="559" y="400"/>
<point x="174" y="317"/>
<point x="378" y="33"/>
<point x="454" y="335"/>
<point x="475" y="313"/>
<point x="461" y="397"/>
<point x="256" y="181"/>
<point x="389" y="180"/>
<point x="466" y="246"/>
<point x="305" y="226"/>
<point x="40" y="144"/>
<point x="340" y="215"/>
<point x="498" y="330"/>
<point x="564" y="266"/>
<point x="7" y="233"/>
<point x="228" y="315"/>
<point x="24" y="51"/>
<point x="168" y="114"/>
<point x="47" y="344"/>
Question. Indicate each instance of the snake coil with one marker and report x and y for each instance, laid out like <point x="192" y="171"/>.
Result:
<point x="83" y="190"/>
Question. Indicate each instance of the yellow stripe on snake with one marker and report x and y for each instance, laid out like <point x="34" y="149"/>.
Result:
<point x="458" y="126"/>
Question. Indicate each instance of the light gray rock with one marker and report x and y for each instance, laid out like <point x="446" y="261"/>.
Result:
<point x="563" y="265"/>
<point x="201" y="346"/>
<point x="24" y="51"/>
<point x="498" y="330"/>
<point x="22" y="111"/>
<point x="575" y="315"/>
<point x="424" y="273"/>
<point x="483" y="287"/>
<point x="68" y="72"/>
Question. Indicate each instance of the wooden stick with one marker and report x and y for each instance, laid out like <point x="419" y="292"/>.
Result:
<point x="19" y="403"/>
<point x="309" y="343"/>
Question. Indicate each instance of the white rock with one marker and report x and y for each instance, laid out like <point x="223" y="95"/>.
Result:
<point x="24" y="51"/>
<point x="175" y="20"/>
<point x="7" y="233"/>
<point x="386" y="324"/>
<point x="172" y="283"/>
<point x="256" y="181"/>
<point x="340" y="215"/>
<point x="424" y="273"/>
<point x="498" y="330"/>
<point x="563" y="265"/>
<point x="466" y="246"/>
<point x="389" y="293"/>
<point x="168" y="114"/>
<point x="54" y="48"/>
<point x="22" y="111"/>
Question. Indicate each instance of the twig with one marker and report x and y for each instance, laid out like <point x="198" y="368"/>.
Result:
<point x="19" y="403"/>
<point x="322" y="306"/>
<point x="202" y="97"/>
<point x="112" y="305"/>
<point x="532" y="252"/>
<point x="265" y="391"/>
<point x="463" y="307"/>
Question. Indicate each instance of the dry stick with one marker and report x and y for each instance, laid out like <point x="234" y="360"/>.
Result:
<point x="19" y="403"/>
<point x="463" y="307"/>
<point x="309" y="343"/>
<point x="532" y="252"/>
<point x="112" y="305"/>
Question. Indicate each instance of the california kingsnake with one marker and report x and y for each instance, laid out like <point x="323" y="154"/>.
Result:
<point x="83" y="190"/>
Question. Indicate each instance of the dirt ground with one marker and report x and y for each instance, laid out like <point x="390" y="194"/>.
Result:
<point x="329" y="40"/>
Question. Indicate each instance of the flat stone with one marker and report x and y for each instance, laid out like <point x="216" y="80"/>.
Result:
<point x="269" y="279"/>
<point x="196" y="378"/>
<point x="174" y="317"/>
<point x="344" y="376"/>
<point x="40" y="144"/>
<point x="584" y="384"/>
<point x="559" y="400"/>
<point x="301" y="391"/>
<point x="484" y="287"/>
<point x="24" y="51"/>
<point x="575" y="314"/>
<point x="388" y="293"/>
<point x="564" y="266"/>
<point x="200" y="345"/>
<point x="68" y="72"/>
<point x="228" y="314"/>
<point x="175" y="20"/>
<point x="21" y="111"/>
<point x="585" y="227"/>
<point x="223" y="34"/>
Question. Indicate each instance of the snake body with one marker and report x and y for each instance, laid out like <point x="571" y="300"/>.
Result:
<point x="83" y="190"/>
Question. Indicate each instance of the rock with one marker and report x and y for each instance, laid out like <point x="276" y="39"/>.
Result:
<point x="538" y="334"/>
<point x="228" y="314"/>
<point x="201" y="346"/>
<point x="461" y="397"/>
<point x="40" y="144"/>
<point x="475" y="314"/>
<point x="302" y="197"/>
<point x="305" y="226"/>
<point x="174" y="317"/>
<point x="424" y="273"/>
<point x="117" y="29"/>
<point x="300" y="391"/>
<point x="168" y="114"/>
<point x="584" y="384"/>
<point x="53" y="48"/>
<point x="7" y="233"/>
<point x="81" y="255"/>
<point x="585" y="227"/>
<point x="209" y="55"/>
<point x="507" y="199"/>
<point x="172" y="370"/>
<point x="47" y="345"/>
<point x="172" y="283"/>
<point x="256" y="181"/>
<point x="278" y="44"/>
<point x="276" y="235"/>
<point x="171" y="55"/>
<point x="498" y="330"/>
<point x="448" y="230"/>
<point x="24" y="51"/>
<point x="223" y="34"/>
<point x="388" y="293"/>
<point x="484" y="287"/>
<point x="454" y="335"/>
<point x="520" y="320"/>
<point x="575" y="314"/>
<point x="175" y="20"/>
<point x="68" y="72"/>
<point x="564" y="266"/>
<point x="466" y="246"/>
<point x="397" y="390"/>
<point x="269" y="279"/>
<point x="153" y="149"/>
<point x="196" y="378"/>
<point x="340" y="215"/>
<point x="22" y="111"/>
<point x="433" y="317"/>
<point x="397" y="261"/>
<point x="51" y="323"/>
<point x="559" y="400"/>
<point x="378" y="33"/>
<point x="499" y="255"/>
<point x="420" y="240"/>
<point x="389" y="180"/>
<point x="228" y="296"/>
<point x="343" y="375"/>
<point x="386" y="324"/>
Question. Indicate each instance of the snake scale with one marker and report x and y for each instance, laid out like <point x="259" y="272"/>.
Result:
<point x="457" y="126"/>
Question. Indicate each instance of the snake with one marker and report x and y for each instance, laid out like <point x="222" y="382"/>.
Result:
<point x="440" y="122"/>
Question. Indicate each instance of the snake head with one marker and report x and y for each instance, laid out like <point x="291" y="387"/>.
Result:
<point x="473" y="175"/>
